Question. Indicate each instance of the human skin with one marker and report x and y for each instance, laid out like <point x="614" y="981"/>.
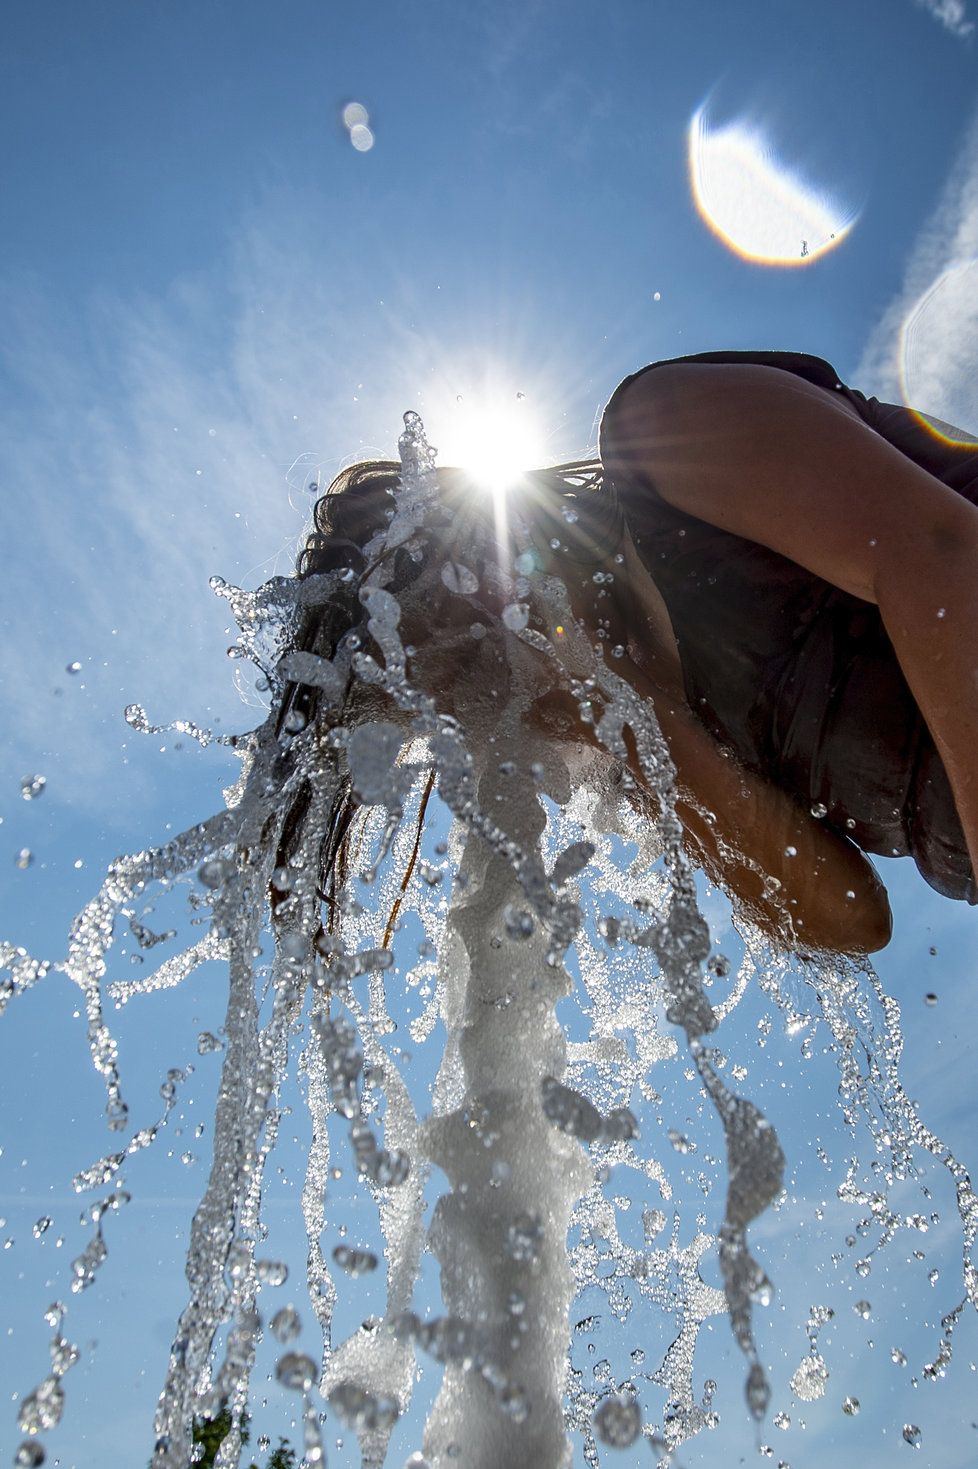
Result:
<point x="774" y="459"/>
<point x="805" y="887"/>
<point x="770" y="457"/>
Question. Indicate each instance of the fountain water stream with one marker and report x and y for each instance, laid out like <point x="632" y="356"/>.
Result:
<point x="526" y="1127"/>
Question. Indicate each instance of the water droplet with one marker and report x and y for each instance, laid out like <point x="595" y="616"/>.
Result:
<point x="286" y="1324"/>
<point x="898" y="1357"/>
<point x="808" y="1382"/>
<point x="819" y="810"/>
<point x="206" y="1043"/>
<point x="355" y="1262"/>
<point x="653" y="1223"/>
<point x="516" y="616"/>
<point x="850" y="1406"/>
<point x="296" y="1371"/>
<point x="215" y="872"/>
<point x="271" y="1272"/>
<point x="517" y="921"/>
<point x="64" y="1355"/>
<point x="763" y="1292"/>
<point x="24" y="858"/>
<point x="30" y="1455"/>
<point x="863" y="1309"/>
<point x="360" y="1409"/>
<point x="516" y="1303"/>
<point x="570" y="1111"/>
<point x="73" y="668"/>
<point x="620" y="1125"/>
<point x="32" y="786"/>
<point x="930" y="998"/>
<point x="42" y="1408"/>
<point x="524" y="1238"/>
<point x="41" y="1226"/>
<point x="618" y="1422"/>
<point x="911" y="1435"/>
<point x="460" y="579"/>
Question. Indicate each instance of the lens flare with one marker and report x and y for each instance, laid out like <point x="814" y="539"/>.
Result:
<point x="939" y="355"/>
<point x="355" y="115"/>
<point x="760" y="209"/>
<point x="356" y="119"/>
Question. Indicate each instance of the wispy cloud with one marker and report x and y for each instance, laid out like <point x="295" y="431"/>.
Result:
<point x="148" y="444"/>
<point x="952" y="14"/>
<point x="925" y="345"/>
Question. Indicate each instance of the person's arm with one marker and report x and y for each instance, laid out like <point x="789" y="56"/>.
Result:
<point x="770" y="457"/>
<point x="801" y="883"/>
<point x="792" y="875"/>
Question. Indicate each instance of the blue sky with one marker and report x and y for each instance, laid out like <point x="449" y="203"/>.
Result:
<point x="209" y="298"/>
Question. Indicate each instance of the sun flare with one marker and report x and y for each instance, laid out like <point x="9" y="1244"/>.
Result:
<point x="495" y="439"/>
<point x="938" y="362"/>
<point x="754" y="203"/>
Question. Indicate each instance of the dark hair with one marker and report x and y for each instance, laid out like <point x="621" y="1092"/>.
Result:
<point x="345" y="518"/>
<point x="570" y="504"/>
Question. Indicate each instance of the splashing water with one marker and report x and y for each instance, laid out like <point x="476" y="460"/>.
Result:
<point x="319" y="852"/>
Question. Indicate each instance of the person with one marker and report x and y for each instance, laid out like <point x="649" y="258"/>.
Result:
<point x="786" y="570"/>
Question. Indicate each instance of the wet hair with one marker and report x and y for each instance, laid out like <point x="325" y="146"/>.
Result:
<point x="569" y="504"/>
<point x="572" y="503"/>
<point x="570" y="509"/>
<point x="347" y="515"/>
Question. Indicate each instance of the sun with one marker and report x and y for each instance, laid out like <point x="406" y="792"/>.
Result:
<point x="495" y="438"/>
